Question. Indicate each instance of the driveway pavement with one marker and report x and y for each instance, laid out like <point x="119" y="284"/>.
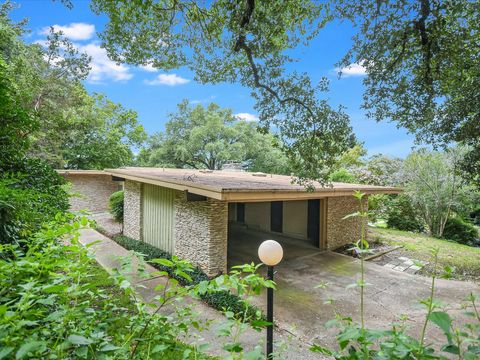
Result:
<point x="107" y="253"/>
<point x="301" y="309"/>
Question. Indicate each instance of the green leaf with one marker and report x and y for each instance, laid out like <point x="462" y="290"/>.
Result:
<point x="79" y="340"/>
<point x="159" y="348"/>
<point x="260" y="323"/>
<point x="163" y="262"/>
<point x="28" y="347"/>
<point x="184" y="275"/>
<point x="5" y="351"/>
<point x="233" y="347"/>
<point x="125" y="284"/>
<point x="442" y="320"/>
<point x="320" y="349"/>
<point x="452" y="349"/>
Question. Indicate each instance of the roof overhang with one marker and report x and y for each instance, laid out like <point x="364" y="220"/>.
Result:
<point x="249" y="195"/>
<point x="67" y="172"/>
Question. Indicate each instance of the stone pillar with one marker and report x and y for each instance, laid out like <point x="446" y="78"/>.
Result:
<point x="342" y="231"/>
<point x="201" y="233"/>
<point x="132" y="213"/>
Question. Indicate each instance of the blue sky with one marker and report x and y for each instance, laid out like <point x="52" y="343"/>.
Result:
<point x="154" y="94"/>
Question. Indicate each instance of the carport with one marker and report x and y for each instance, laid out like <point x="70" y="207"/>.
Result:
<point x="190" y="213"/>
<point x="299" y="225"/>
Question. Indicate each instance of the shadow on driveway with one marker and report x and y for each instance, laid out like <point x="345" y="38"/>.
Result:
<point x="303" y="309"/>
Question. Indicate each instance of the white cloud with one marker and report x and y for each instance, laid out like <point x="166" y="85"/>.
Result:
<point x="102" y="67"/>
<point x="246" y="116"/>
<point x="167" y="79"/>
<point x="202" y="101"/>
<point x="148" y="67"/>
<point x="73" y="31"/>
<point x="352" y="70"/>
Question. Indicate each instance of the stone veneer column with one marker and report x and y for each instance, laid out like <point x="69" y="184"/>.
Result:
<point x="343" y="231"/>
<point x="201" y="233"/>
<point x="132" y="213"/>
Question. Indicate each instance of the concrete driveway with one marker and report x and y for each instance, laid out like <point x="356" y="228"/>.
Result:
<point x="302" y="309"/>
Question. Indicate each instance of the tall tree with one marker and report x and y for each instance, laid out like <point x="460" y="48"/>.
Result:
<point x="101" y="134"/>
<point x="246" y="42"/>
<point x="199" y="137"/>
<point x="423" y="67"/>
<point x="73" y="129"/>
<point x="434" y="185"/>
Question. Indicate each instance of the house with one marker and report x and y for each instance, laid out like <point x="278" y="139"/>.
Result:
<point x="189" y="212"/>
<point x="91" y="189"/>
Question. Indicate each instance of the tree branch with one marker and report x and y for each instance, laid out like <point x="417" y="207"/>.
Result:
<point x="241" y="44"/>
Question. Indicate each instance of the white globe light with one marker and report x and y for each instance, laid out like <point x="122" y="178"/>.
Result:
<point x="270" y="252"/>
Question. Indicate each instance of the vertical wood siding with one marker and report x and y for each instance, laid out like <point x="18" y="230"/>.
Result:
<point x="158" y="217"/>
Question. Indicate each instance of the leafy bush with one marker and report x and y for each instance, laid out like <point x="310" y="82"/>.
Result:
<point x="402" y="215"/>
<point x="377" y="206"/>
<point x="220" y="300"/>
<point x="461" y="231"/>
<point x="343" y="175"/>
<point x="115" y="203"/>
<point x="56" y="303"/>
<point x="31" y="193"/>
<point x="16" y="121"/>
<point x="475" y="216"/>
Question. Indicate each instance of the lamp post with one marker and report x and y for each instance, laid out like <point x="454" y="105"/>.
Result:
<point x="270" y="253"/>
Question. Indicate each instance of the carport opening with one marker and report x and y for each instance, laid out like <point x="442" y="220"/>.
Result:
<point x="297" y="225"/>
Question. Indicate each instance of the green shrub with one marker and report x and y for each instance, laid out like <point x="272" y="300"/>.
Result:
<point x="31" y="193"/>
<point x="57" y="303"/>
<point x="115" y="204"/>
<point x="402" y="215"/>
<point x="461" y="231"/>
<point x="377" y="206"/>
<point x="220" y="300"/>
<point x="343" y="175"/>
<point x="475" y="216"/>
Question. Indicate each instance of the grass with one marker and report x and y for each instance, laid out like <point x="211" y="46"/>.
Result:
<point x="464" y="259"/>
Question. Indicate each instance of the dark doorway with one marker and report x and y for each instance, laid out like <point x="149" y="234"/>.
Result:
<point x="313" y="222"/>
<point x="241" y="213"/>
<point x="276" y="216"/>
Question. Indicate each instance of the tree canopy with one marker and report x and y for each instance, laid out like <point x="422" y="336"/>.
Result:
<point x="421" y="59"/>
<point x="244" y="42"/>
<point x="434" y="186"/>
<point x="72" y="129"/>
<point x="208" y="137"/>
<point x="423" y="67"/>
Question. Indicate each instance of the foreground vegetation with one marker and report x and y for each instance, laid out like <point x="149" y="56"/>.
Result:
<point x="465" y="260"/>
<point x="56" y="303"/>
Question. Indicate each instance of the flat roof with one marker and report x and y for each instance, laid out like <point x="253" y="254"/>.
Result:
<point x="81" y="172"/>
<point x="240" y="186"/>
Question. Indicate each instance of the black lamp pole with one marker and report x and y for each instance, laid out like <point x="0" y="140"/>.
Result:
<point x="270" y="315"/>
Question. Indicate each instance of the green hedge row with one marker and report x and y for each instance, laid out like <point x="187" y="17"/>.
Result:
<point x="221" y="300"/>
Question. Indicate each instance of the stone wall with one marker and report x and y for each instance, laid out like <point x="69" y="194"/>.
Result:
<point x="201" y="231"/>
<point x="342" y="231"/>
<point x="132" y="213"/>
<point x="94" y="191"/>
